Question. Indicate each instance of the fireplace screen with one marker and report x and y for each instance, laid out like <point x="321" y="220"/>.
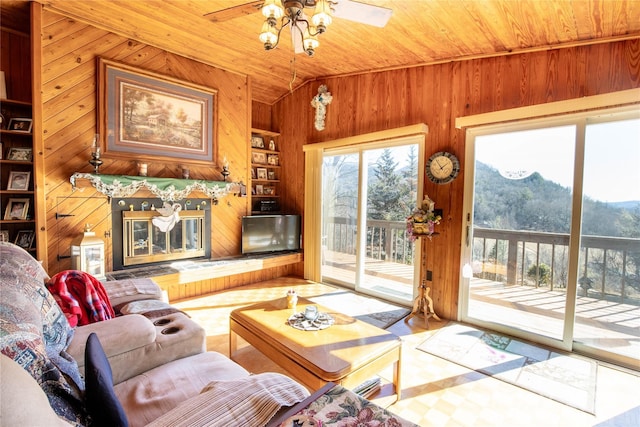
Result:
<point x="145" y="243"/>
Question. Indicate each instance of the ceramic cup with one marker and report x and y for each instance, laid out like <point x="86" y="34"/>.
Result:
<point x="311" y="312"/>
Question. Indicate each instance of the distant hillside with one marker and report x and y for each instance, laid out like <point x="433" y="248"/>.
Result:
<point x="630" y="205"/>
<point x="534" y="203"/>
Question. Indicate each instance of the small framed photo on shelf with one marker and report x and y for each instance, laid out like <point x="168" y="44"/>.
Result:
<point x="18" y="181"/>
<point x="20" y="154"/>
<point x="17" y="209"/>
<point x="273" y="159"/>
<point x="257" y="141"/>
<point x="260" y="158"/>
<point x="20" y="125"/>
<point x="4" y="235"/>
<point x="259" y="190"/>
<point x="271" y="175"/>
<point x="253" y="173"/>
<point x="269" y="191"/>
<point x="261" y="173"/>
<point x="24" y="238"/>
<point x="272" y="145"/>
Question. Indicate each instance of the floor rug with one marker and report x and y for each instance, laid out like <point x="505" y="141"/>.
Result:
<point x="568" y="379"/>
<point x="370" y="310"/>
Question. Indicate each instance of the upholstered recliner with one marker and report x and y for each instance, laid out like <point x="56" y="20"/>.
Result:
<point x="156" y="376"/>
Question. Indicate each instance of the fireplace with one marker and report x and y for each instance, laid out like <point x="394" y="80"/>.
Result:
<point x="137" y="241"/>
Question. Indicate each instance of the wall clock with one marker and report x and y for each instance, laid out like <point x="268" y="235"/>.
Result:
<point x="442" y="167"/>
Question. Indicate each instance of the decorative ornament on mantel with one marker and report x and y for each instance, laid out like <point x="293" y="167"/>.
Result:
<point x="169" y="216"/>
<point x="422" y="220"/>
<point x="95" y="161"/>
<point x="320" y="102"/>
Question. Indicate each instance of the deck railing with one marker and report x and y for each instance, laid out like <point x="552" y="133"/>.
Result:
<point x="386" y="240"/>
<point x="609" y="266"/>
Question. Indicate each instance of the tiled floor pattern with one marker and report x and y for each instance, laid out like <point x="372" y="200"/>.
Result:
<point x="435" y="392"/>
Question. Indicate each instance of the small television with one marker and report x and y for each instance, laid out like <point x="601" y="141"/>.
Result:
<point x="270" y="233"/>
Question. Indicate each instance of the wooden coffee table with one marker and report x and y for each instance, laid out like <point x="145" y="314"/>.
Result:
<point x="347" y="353"/>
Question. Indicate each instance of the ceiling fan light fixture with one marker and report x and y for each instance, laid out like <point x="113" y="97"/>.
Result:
<point x="268" y="35"/>
<point x="310" y="41"/>
<point x="321" y="18"/>
<point x="272" y="9"/>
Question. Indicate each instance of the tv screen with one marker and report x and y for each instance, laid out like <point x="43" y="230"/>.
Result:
<point x="270" y="233"/>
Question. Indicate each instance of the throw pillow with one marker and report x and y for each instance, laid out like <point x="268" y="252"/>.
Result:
<point x="103" y="405"/>
<point x="35" y="333"/>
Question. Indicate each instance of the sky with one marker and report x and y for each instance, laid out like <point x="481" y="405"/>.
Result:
<point x="612" y="157"/>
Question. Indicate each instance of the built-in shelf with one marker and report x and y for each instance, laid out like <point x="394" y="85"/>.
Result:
<point x="265" y="172"/>
<point x="17" y="150"/>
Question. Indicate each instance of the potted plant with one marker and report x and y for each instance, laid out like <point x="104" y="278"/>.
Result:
<point x="422" y="220"/>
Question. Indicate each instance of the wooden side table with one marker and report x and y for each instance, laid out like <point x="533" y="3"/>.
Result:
<point x="423" y="305"/>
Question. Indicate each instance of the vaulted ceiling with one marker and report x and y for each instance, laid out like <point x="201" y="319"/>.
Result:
<point x="419" y="32"/>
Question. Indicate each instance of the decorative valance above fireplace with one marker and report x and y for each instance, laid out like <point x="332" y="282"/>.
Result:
<point x="167" y="189"/>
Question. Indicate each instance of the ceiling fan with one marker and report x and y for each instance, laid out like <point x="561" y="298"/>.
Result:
<point x="304" y="31"/>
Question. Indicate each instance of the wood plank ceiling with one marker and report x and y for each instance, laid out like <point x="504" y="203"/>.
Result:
<point x="419" y="32"/>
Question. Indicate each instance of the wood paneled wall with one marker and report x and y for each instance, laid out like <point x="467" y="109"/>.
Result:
<point x="437" y="95"/>
<point x="69" y="55"/>
<point x="371" y="102"/>
<point x="261" y="116"/>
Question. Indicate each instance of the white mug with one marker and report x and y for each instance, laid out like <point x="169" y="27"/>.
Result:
<point x="311" y="312"/>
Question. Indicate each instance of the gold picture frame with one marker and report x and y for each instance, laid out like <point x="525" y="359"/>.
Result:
<point x="18" y="181"/>
<point x="25" y="238"/>
<point x="259" y="158"/>
<point x="19" y="124"/>
<point x="261" y="173"/>
<point x="20" y="154"/>
<point x="257" y="141"/>
<point x="17" y="209"/>
<point x="184" y="128"/>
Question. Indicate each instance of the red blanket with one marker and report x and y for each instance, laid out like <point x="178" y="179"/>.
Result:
<point x="81" y="297"/>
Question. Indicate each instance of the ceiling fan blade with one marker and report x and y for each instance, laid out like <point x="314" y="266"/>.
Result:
<point x="296" y="40"/>
<point x="363" y="13"/>
<point x="234" y="11"/>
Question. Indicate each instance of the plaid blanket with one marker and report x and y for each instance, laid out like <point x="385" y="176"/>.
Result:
<point x="81" y="296"/>
<point x="250" y="401"/>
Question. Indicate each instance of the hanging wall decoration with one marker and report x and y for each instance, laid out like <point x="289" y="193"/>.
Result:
<point x="320" y="102"/>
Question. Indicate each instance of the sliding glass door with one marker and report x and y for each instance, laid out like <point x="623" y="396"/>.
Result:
<point x="608" y="305"/>
<point x="522" y="217"/>
<point x="367" y="192"/>
<point x="553" y="245"/>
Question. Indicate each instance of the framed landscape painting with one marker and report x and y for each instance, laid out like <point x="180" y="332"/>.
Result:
<point x="148" y="116"/>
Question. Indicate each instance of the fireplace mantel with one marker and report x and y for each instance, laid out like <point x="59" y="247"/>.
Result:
<point x="167" y="189"/>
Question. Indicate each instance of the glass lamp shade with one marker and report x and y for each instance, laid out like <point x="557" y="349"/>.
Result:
<point x="87" y="254"/>
<point x="272" y="9"/>
<point x="268" y="35"/>
<point x="322" y="15"/>
<point x="309" y="41"/>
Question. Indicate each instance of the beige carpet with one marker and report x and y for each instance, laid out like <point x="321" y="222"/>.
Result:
<point x="367" y="309"/>
<point x="566" y="378"/>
